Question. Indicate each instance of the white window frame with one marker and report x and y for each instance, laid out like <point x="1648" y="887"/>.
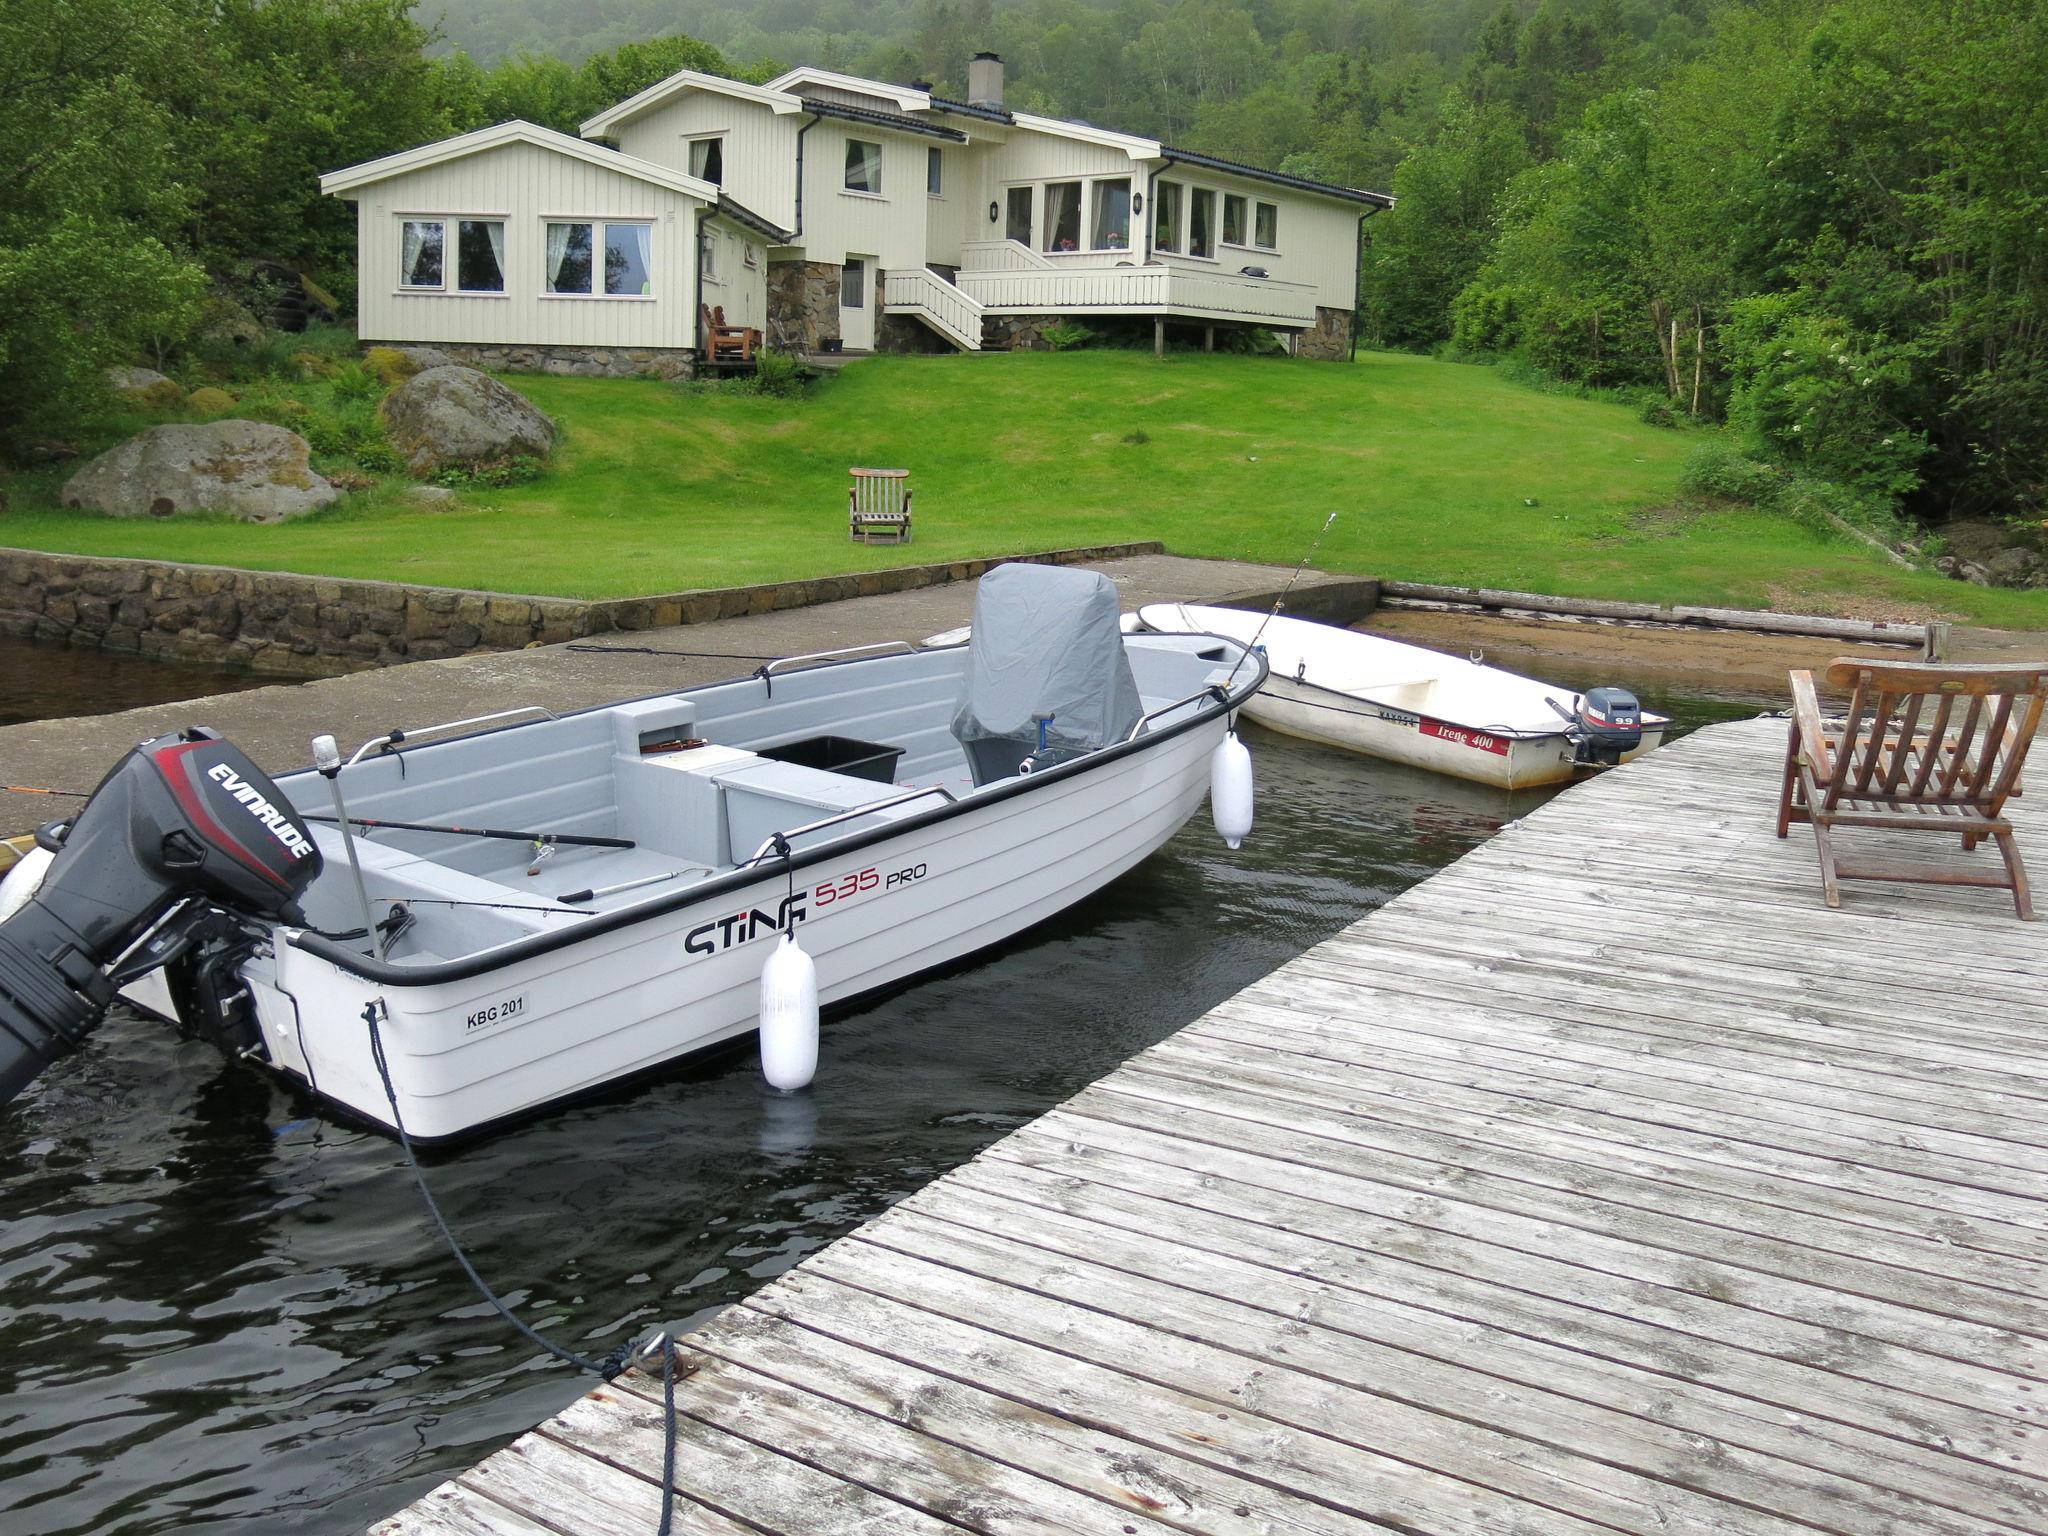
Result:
<point x="1178" y="227"/>
<point x="600" y="226"/>
<point x="1274" y="243"/>
<point x="691" y="141"/>
<point x="1243" y="200"/>
<point x="1096" y="185"/>
<point x="866" y="292"/>
<point x="934" y="172"/>
<point x="441" y="221"/>
<point x="451" y="254"/>
<point x="876" y="190"/>
<point x="707" y="253"/>
<point x="1215" y="223"/>
<point x="1080" y="184"/>
<point x="1032" y="199"/>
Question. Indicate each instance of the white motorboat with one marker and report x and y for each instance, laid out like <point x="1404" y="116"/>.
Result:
<point x="1417" y="706"/>
<point x="894" y="812"/>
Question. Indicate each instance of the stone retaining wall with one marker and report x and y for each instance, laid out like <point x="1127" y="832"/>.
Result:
<point x="315" y="626"/>
<point x="1329" y="339"/>
<point x="581" y="362"/>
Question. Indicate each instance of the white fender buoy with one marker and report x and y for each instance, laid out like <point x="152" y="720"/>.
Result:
<point x="1230" y="790"/>
<point x="23" y="880"/>
<point x="789" y="1016"/>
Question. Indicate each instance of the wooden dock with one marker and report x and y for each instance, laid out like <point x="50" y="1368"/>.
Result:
<point x="1606" y="1182"/>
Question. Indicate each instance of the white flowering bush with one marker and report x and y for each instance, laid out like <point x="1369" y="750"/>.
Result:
<point x="1821" y="399"/>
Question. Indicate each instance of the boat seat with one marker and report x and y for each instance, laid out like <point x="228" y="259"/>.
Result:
<point x="765" y="797"/>
<point x="395" y="874"/>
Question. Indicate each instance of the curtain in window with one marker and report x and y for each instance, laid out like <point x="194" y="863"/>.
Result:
<point x="1166" y="217"/>
<point x="480" y="256"/>
<point x="1201" y="215"/>
<point x="1233" y="220"/>
<point x="1112" y="230"/>
<point x="1063" y="216"/>
<point x="707" y="160"/>
<point x="496" y="232"/>
<point x="558" y="253"/>
<point x="1267" y="227"/>
<point x="863" y="166"/>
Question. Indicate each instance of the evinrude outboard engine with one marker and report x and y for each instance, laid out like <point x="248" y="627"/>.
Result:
<point x="183" y="841"/>
<point x="1607" y="724"/>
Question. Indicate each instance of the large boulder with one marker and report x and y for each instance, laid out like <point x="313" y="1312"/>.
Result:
<point x="456" y="417"/>
<point x="257" y="471"/>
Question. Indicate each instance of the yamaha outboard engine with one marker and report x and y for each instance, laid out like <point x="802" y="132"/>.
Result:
<point x="184" y="828"/>
<point x="1607" y="724"/>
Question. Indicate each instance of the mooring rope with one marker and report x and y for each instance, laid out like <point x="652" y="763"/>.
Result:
<point x="612" y="1365"/>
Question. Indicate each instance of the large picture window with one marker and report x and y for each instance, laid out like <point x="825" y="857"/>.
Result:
<point x="1166" y="216"/>
<point x="1112" y="227"/>
<point x="1202" y="222"/>
<point x="1233" y="219"/>
<point x="1017" y="226"/>
<point x="863" y="166"/>
<point x="707" y="160"/>
<point x="420" y="248"/>
<point x="1266" y="231"/>
<point x="480" y="256"/>
<point x="577" y="252"/>
<point x="1063" y="216"/>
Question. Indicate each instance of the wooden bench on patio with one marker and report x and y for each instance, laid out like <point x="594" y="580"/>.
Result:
<point x="727" y="346"/>
<point x="1922" y="749"/>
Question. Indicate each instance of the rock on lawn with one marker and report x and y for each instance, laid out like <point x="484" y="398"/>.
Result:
<point x="251" y="468"/>
<point x="459" y="417"/>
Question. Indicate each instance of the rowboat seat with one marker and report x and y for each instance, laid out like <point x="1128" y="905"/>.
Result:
<point x="1921" y="749"/>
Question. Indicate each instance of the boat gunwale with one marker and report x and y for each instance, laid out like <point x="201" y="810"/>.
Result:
<point x="384" y="973"/>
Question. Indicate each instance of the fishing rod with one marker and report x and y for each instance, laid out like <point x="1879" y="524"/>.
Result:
<point x="30" y="789"/>
<point x="565" y="839"/>
<point x="649" y="650"/>
<point x="1251" y="645"/>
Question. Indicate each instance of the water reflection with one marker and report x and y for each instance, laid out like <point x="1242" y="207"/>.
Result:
<point x="223" y="1310"/>
<point x="43" y="682"/>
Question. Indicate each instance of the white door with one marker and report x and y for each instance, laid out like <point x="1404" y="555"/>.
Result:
<point x="857" y="303"/>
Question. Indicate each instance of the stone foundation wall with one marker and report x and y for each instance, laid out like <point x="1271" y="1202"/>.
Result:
<point x="803" y="304"/>
<point x="312" y="626"/>
<point x="1329" y="339"/>
<point x="1024" y="333"/>
<point x="582" y="362"/>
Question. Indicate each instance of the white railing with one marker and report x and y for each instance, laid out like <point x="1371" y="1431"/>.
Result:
<point x="918" y="291"/>
<point x="1001" y="256"/>
<point x="1142" y="290"/>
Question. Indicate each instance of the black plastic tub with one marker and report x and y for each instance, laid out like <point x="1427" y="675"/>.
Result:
<point x="839" y="754"/>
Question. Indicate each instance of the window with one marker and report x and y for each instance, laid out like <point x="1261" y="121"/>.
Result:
<point x="707" y="254"/>
<point x="480" y="256"/>
<point x="853" y="284"/>
<point x="419" y="254"/>
<point x="934" y="173"/>
<point x="1266" y="233"/>
<point x="1233" y="219"/>
<point x="569" y="258"/>
<point x="625" y="259"/>
<point x="707" y="160"/>
<point x="1112" y="227"/>
<point x="1166" y="217"/>
<point x="863" y="166"/>
<point x="1063" y="216"/>
<point x="1017" y="226"/>
<point x="1202" y="222"/>
<point x="572" y="265"/>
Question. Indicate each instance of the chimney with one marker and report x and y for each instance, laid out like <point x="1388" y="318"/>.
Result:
<point x="985" y="80"/>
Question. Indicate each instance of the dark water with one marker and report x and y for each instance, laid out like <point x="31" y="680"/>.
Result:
<point x="42" y="682"/>
<point x="220" y="1313"/>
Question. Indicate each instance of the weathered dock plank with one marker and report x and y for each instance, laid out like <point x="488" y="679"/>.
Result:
<point x="1606" y="1182"/>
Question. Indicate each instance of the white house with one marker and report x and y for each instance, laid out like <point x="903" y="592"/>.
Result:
<point x="832" y="213"/>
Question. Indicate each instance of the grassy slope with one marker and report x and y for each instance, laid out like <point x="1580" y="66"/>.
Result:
<point x="1430" y="465"/>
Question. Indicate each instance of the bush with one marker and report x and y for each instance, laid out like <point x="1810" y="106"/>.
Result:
<point x="389" y="366"/>
<point x="355" y="382"/>
<point x="1717" y="467"/>
<point x="516" y="469"/>
<point x="1066" y="336"/>
<point x="209" y="401"/>
<point x="777" y="373"/>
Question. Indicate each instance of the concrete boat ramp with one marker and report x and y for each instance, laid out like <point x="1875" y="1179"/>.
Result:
<point x="1606" y="1182"/>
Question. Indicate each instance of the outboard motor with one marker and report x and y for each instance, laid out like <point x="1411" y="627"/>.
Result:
<point x="1607" y="723"/>
<point x="181" y="839"/>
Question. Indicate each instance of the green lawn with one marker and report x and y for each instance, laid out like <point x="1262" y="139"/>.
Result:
<point x="1432" y="467"/>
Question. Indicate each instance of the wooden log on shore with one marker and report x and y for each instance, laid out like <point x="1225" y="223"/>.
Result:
<point x="1925" y="638"/>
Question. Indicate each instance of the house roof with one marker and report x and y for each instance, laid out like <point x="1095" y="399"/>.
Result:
<point x="1278" y="178"/>
<point x="744" y="216"/>
<point x="874" y="119"/>
<point x="779" y="102"/>
<point x="908" y="98"/>
<point x="348" y="179"/>
<point x="971" y="109"/>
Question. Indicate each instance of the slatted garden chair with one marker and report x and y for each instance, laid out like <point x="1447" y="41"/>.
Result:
<point x="1923" y="749"/>
<point x="878" y="505"/>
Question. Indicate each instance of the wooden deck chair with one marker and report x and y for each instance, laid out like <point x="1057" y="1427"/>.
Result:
<point x="878" y="505"/>
<point x="1924" y="749"/>
<point x="726" y="343"/>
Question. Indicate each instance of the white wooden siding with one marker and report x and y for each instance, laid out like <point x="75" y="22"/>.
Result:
<point x="1317" y="245"/>
<point x="946" y="215"/>
<point x="891" y="227"/>
<point x="737" y="288"/>
<point x="760" y="146"/>
<point x="526" y="186"/>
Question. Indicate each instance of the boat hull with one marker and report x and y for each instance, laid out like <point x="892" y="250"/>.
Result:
<point x="1421" y="741"/>
<point x="466" y="1054"/>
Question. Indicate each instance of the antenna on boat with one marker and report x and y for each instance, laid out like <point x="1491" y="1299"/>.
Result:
<point x="327" y="758"/>
<point x="1251" y="645"/>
